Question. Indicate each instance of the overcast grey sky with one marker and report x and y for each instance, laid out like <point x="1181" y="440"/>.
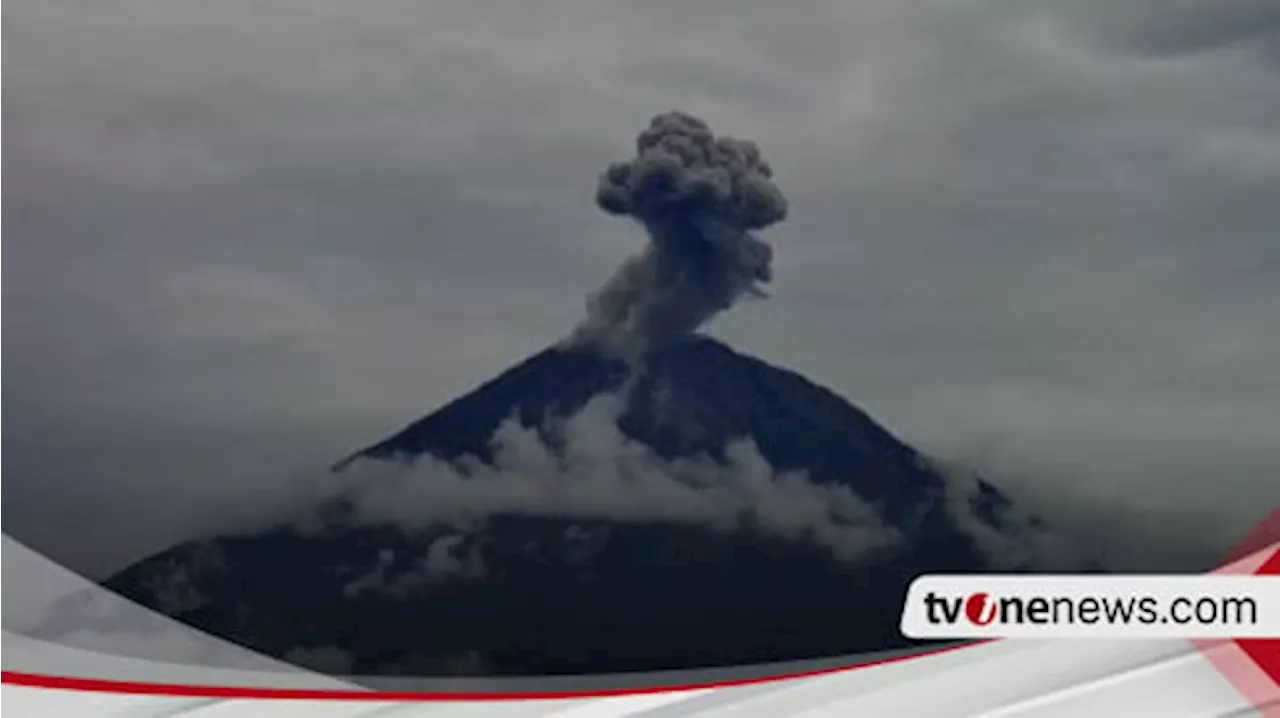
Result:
<point x="247" y="237"/>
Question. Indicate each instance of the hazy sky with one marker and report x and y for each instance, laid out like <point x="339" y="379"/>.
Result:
<point x="247" y="237"/>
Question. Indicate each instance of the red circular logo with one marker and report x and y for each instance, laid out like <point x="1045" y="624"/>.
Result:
<point x="980" y="609"/>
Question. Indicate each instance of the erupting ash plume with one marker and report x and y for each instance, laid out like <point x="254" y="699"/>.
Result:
<point x="698" y="196"/>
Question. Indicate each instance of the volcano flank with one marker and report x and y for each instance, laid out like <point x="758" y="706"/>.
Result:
<point x="522" y="593"/>
<point x="638" y="497"/>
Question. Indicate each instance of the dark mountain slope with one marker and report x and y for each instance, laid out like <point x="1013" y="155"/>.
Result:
<point x="689" y="397"/>
<point x="547" y="594"/>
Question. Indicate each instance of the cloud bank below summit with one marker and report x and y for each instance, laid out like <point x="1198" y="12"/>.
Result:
<point x="596" y="472"/>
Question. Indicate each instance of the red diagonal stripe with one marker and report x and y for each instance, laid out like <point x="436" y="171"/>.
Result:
<point x="1264" y="654"/>
<point x="1266" y="651"/>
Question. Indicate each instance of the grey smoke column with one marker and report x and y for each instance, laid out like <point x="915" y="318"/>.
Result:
<point x="698" y="197"/>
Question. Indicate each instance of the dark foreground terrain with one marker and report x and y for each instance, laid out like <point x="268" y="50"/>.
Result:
<point x="526" y="594"/>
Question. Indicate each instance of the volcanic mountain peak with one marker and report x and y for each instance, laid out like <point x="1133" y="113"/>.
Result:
<point x="689" y="397"/>
<point x="603" y="592"/>
<point x="730" y="565"/>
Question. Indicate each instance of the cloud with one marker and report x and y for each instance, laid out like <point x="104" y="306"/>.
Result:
<point x="445" y="560"/>
<point x="697" y="196"/>
<point x="1180" y="26"/>
<point x="245" y="239"/>
<point x="593" y="471"/>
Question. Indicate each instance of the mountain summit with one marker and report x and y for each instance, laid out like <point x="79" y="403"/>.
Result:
<point x="550" y="582"/>
<point x="639" y="498"/>
<point x="691" y="396"/>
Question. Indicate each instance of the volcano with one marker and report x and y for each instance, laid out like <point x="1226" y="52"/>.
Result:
<point x="540" y="593"/>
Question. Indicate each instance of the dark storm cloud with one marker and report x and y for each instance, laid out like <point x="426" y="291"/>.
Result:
<point x="245" y="238"/>
<point x="1180" y="26"/>
<point x="698" y="197"/>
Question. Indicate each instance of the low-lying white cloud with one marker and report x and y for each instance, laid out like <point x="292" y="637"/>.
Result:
<point x="593" y="471"/>
<point x="1015" y="537"/>
<point x="446" y="559"/>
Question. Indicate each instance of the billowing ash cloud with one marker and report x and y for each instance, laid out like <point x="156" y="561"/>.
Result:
<point x="699" y="197"/>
